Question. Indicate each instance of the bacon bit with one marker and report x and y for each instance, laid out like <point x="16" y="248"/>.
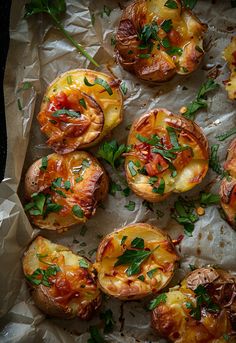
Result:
<point x="178" y="240"/>
<point x="166" y="142"/>
<point x="152" y="168"/>
<point x="200" y="211"/>
<point x="183" y="109"/>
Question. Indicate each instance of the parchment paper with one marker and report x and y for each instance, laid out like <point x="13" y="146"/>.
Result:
<point x="38" y="53"/>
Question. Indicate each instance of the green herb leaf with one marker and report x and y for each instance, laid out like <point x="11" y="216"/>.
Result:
<point x="200" y="101"/>
<point x="44" y="163"/>
<point x="154" y="140"/>
<point x="106" y="11"/>
<point x="214" y="161"/>
<point x="51" y="207"/>
<point x="165" y="43"/>
<point x="137" y="243"/>
<point x="207" y="199"/>
<point x="174" y="51"/>
<point x="189" y="4"/>
<point x="70" y="113"/>
<point x="77" y="211"/>
<point x="130" y="206"/>
<point x="141" y="277"/>
<point x="58" y="191"/>
<point x="111" y="152"/>
<point x="227" y="134"/>
<point x="173" y="136"/>
<point x="148" y="32"/>
<point x="26" y="85"/>
<point x="114" y="187"/>
<point x="83" y="230"/>
<point x="57" y="182"/>
<point x="69" y="80"/>
<point x="96" y="336"/>
<point x="132" y="169"/>
<point x="171" y="4"/>
<point x="41" y="276"/>
<point x="161" y="187"/>
<point x="67" y="185"/>
<point x="78" y="179"/>
<point x="166" y="25"/>
<point x="123" y="87"/>
<point x="101" y="82"/>
<point x="109" y="322"/>
<point x="133" y="258"/>
<point x="144" y="55"/>
<point x="83" y="263"/>
<point x="152" y="180"/>
<point x="185" y="215"/>
<point x="157" y="301"/>
<point x="225" y="335"/>
<point x="151" y="272"/>
<point x="123" y="240"/>
<point x="126" y="191"/>
<point x="55" y="9"/>
<point x="83" y="103"/>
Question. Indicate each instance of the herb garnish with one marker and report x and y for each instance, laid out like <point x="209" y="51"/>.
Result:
<point x="95" y="335"/>
<point x="207" y="199"/>
<point x="114" y="187"/>
<point x="77" y="211"/>
<point x="70" y="113"/>
<point x="185" y="214"/>
<point x="151" y="272"/>
<point x="55" y="9"/>
<point x="83" y="263"/>
<point x="44" y="163"/>
<point x="99" y="81"/>
<point x="161" y="187"/>
<point x="161" y="298"/>
<point x="137" y="243"/>
<point x="166" y="25"/>
<point x="227" y="134"/>
<point x="83" y="103"/>
<point x="171" y="4"/>
<point x="203" y="300"/>
<point x="200" y="101"/>
<point x="123" y="240"/>
<point x="123" y="87"/>
<point x="214" y="162"/>
<point x="109" y="322"/>
<point x="130" y="206"/>
<point x="41" y="276"/>
<point x="134" y="258"/>
<point x="111" y="152"/>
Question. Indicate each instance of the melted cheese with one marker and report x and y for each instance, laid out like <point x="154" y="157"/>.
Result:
<point x="114" y="280"/>
<point x="231" y="59"/>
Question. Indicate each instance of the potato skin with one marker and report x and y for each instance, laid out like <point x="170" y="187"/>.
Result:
<point x="85" y="193"/>
<point x="114" y="280"/>
<point x="228" y="186"/>
<point x="195" y="167"/>
<point x="173" y="321"/>
<point x="73" y="290"/>
<point x="99" y="113"/>
<point x="159" y="66"/>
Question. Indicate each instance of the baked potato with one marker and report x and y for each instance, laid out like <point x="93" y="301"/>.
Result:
<point x="230" y="57"/>
<point x="155" y="40"/>
<point x="168" y="153"/>
<point x="63" y="284"/>
<point x="79" y="108"/>
<point x="63" y="190"/>
<point x="135" y="261"/>
<point x="228" y="186"/>
<point x="202" y="309"/>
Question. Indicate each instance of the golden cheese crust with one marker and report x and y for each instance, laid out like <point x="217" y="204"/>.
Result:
<point x="168" y="154"/>
<point x="156" y="42"/>
<point x="155" y="272"/>
<point x="174" y="320"/>
<point x="230" y="56"/>
<point x="63" y="284"/>
<point x="66" y="191"/>
<point x="90" y="112"/>
<point x="228" y="186"/>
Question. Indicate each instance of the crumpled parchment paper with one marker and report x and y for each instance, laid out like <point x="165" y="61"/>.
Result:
<point x="39" y="53"/>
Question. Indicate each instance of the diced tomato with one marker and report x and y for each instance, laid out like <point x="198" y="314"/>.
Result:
<point x="58" y="102"/>
<point x="174" y="37"/>
<point x="156" y="166"/>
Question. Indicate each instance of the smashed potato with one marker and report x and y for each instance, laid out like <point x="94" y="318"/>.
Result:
<point x="168" y="153"/>
<point x="79" y="108"/>
<point x="63" y="190"/>
<point x="230" y="57"/>
<point x="63" y="284"/>
<point x="135" y="261"/>
<point x="155" y="40"/>
<point x="201" y="310"/>
<point x="228" y="186"/>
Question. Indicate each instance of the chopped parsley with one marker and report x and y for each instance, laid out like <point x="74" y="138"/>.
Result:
<point x="83" y="103"/>
<point x="157" y="301"/>
<point x="161" y="187"/>
<point x="137" y="243"/>
<point x="112" y="152"/>
<point x="101" y="82"/>
<point x="108" y="320"/>
<point x="171" y="4"/>
<point x="166" y="25"/>
<point x="44" y="163"/>
<point x="41" y="276"/>
<point x="227" y="134"/>
<point x="130" y="206"/>
<point x="151" y="272"/>
<point x="77" y="211"/>
<point x="185" y="214"/>
<point x="83" y="263"/>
